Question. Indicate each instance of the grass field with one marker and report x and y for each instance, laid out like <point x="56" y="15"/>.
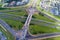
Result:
<point x="40" y="29"/>
<point x="17" y="25"/>
<point x="55" y="38"/>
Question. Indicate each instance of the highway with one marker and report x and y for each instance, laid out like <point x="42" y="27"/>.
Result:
<point x="20" y="18"/>
<point x="50" y="17"/>
<point x="3" y="37"/>
<point x="44" y="36"/>
<point x="7" y="27"/>
<point x="9" y="11"/>
<point x="8" y="16"/>
<point x="23" y="32"/>
<point x="30" y="11"/>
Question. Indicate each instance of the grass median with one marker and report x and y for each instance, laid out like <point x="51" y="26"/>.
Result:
<point x="41" y="29"/>
<point x="17" y="25"/>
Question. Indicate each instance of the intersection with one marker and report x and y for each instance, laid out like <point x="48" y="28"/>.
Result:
<point x="21" y="34"/>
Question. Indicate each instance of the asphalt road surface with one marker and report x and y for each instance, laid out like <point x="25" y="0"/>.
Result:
<point x="7" y="27"/>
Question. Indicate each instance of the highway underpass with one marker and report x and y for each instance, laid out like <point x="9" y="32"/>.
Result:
<point x="22" y="34"/>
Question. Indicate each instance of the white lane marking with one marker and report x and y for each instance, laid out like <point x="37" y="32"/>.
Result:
<point x="3" y="27"/>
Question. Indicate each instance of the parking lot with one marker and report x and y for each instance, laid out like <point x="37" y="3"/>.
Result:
<point x="13" y="3"/>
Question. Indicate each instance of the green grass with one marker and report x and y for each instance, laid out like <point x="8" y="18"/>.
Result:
<point x="17" y="25"/>
<point x="42" y="17"/>
<point x="44" y="29"/>
<point x="40" y="29"/>
<point x="21" y="12"/>
<point x="55" y="38"/>
<point x="34" y="29"/>
<point x="0" y="5"/>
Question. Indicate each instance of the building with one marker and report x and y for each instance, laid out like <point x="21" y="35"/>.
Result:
<point x="51" y="5"/>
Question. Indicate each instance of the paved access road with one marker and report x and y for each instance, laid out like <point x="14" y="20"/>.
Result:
<point x="44" y="36"/>
<point x="13" y="4"/>
<point x="24" y="30"/>
<point x="2" y="37"/>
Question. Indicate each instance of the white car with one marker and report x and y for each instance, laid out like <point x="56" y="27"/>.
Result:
<point x="18" y="3"/>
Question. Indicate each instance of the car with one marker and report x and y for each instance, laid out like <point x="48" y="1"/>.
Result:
<point x="2" y="36"/>
<point x="12" y="3"/>
<point x="18" y="3"/>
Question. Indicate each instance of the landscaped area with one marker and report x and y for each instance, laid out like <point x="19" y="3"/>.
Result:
<point x="18" y="24"/>
<point x="40" y="23"/>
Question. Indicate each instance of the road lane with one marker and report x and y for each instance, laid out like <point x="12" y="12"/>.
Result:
<point x="44" y="36"/>
<point x="25" y="27"/>
<point x="7" y="27"/>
